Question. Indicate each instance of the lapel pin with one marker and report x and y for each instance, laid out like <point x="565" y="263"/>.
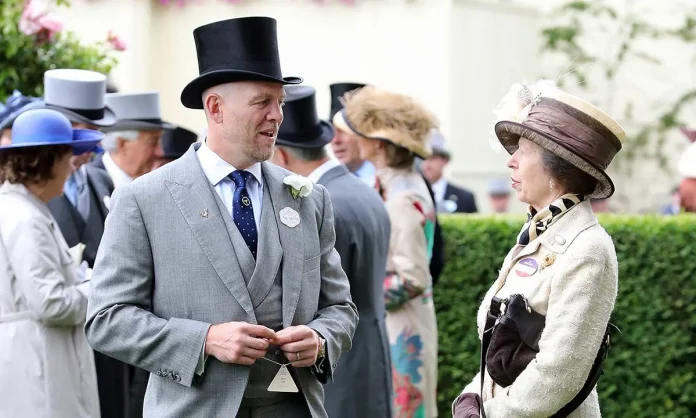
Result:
<point x="526" y="267"/>
<point x="246" y="201"/>
<point x="289" y="217"/>
<point x="204" y="214"/>
<point x="548" y="260"/>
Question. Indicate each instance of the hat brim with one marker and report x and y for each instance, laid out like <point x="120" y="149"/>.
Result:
<point x="191" y="95"/>
<point x="509" y="134"/>
<point x="83" y="140"/>
<point x="9" y="120"/>
<point x="326" y="136"/>
<point x="108" y="120"/>
<point x="340" y="122"/>
<point x="138" y="125"/>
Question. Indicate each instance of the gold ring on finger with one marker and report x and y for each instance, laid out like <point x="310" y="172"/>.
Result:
<point x="298" y="356"/>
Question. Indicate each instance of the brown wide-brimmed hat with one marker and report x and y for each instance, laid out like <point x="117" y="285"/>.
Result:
<point x="378" y="114"/>
<point x="565" y="125"/>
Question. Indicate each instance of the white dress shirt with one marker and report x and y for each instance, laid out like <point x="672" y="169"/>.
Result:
<point x="323" y="169"/>
<point x="439" y="189"/>
<point x="367" y="173"/>
<point x="118" y="176"/>
<point x="217" y="171"/>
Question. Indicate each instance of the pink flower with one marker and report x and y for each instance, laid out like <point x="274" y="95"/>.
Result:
<point x="35" y="20"/>
<point x="116" y="42"/>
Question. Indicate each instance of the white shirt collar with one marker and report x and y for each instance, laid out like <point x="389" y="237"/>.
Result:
<point x="118" y="176"/>
<point x="216" y="169"/>
<point x="439" y="188"/>
<point x="323" y="169"/>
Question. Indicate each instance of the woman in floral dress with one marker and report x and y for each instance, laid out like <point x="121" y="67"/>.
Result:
<point x="393" y="129"/>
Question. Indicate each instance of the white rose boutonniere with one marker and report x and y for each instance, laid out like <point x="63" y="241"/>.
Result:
<point x="299" y="186"/>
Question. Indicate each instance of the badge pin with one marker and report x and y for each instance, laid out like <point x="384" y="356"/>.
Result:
<point x="246" y="201"/>
<point x="289" y="217"/>
<point x="526" y="267"/>
<point x="548" y="260"/>
<point x="204" y="214"/>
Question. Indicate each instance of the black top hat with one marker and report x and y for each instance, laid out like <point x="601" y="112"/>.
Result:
<point x="235" y="50"/>
<point x="301" y="127"/>
<point x="338" y="90"/>
<point x="176" y="141"/>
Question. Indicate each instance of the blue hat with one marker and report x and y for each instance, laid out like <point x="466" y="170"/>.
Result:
<point x="15" y="105"/>
<point x="45" y="127"/>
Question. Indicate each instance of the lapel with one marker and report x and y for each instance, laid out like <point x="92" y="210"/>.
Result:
<point x="291" y="239"/>
<point x="556" y="239"/>
<point x="269" y="252"/>
<point x="196" y="199"/>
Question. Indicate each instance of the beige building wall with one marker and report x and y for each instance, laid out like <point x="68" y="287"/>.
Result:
<point x="457" y="56"/>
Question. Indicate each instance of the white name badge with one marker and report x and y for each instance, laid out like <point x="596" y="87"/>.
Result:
<point x="283" y="382"/>
<point x="289" y="217"/>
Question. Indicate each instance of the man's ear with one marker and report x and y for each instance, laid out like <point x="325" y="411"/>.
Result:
<point x="213" y="108"/>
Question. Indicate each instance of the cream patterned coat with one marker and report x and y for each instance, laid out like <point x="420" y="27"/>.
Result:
<point x="574" y="284"/>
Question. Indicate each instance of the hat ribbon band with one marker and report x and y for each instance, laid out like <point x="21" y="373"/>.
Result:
<point x="576" y="136"/>
<point x="92" y="114"/>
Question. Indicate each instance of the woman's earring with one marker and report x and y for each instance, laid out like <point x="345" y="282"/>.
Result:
<point x="551" y="186"/>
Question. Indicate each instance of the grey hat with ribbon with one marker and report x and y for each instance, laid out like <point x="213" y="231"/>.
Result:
<point x="136" y="111"/>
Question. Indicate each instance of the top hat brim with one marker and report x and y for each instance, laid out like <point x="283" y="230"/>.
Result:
<point x="326" y="136"/>
<point x="107" y="120"/>
<point x="192" y="95"/>
<point x="509" y="134"/>
<point x="138" y="125"/>
<point x="83" y="140"/>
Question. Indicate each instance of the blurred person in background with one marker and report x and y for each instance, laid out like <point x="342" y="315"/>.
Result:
<point x="391" y="130"/>
<point x="47" y="366"/>
<point x="687" y="188"/>
<point x="563" y="265"/>
<point x="499" y="191"/>
<point x="133" y="144"/>
<point x="448" y="197"/>
<point x="175" y="142"/>
<point x="600" y="205"/>
<point x="674" y="206"/>
<point x="345" y="144"/>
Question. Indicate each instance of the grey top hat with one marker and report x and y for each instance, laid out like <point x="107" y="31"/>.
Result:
<point x="136" y="111"/>
<point x="499" y="187"/>
<point x="79" y="95"/>
<point x="437" y="143"/>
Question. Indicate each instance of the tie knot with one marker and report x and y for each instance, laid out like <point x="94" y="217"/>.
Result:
<point x="240" y="177"/>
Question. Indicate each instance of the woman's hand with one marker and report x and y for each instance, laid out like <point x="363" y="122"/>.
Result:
<point x="467" y="406"/>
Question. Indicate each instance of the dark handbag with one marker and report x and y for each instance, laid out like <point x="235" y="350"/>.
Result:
<point x="511" y="341"/>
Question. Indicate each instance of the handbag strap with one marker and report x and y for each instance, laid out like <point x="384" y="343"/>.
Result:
<point x="491" y="319"/>
<point x="595" y="372"/>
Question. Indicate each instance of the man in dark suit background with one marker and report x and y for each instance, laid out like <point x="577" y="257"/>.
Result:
<point x="448" y="197"/>
<point x="363" y="388"/>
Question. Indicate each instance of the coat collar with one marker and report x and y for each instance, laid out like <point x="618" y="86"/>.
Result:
<point x="562" y="233"/>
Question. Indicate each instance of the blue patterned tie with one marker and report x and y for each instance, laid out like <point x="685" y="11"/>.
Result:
<point x="243" y="210"/>
<point x="70" y="189"/>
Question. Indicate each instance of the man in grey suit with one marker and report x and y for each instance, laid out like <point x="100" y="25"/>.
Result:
<point x="217" y="273"/>
<point x="363" y="387"/>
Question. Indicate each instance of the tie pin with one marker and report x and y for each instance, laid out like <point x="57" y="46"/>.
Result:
<point x="204" y="214"/>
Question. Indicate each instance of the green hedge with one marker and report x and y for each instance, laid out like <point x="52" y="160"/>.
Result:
<point x="651" y="369"/>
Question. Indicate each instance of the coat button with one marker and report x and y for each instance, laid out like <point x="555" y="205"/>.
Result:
<point x="559" y="240"/>
<point x="278" y="353"/>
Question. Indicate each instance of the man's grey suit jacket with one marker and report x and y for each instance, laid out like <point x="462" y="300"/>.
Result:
<point x="167" y="269"/>
<point x="362" y="387"/>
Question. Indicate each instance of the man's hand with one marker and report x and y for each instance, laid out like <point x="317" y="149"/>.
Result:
<point x="238" y="342"/>
<point x="300" y="345"/>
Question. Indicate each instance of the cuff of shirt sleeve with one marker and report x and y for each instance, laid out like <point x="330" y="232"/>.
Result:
<point x="200" y="367"/>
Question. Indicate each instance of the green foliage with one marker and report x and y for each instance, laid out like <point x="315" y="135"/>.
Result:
<point x="650" y="371"/>
<point x="645" y="138"/>
<point x="25" y="58"/>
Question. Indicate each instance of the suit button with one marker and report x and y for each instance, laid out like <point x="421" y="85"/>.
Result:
<point x="559" y="240"/>
<point x="278" y="353"/>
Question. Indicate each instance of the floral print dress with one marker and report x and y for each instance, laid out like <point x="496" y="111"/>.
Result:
<point x="411" y="322"/>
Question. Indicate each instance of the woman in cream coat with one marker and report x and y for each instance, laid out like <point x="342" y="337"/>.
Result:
<point x="564" y="262"/>
<point x="391" y="130"/>
<point x="47" y="366"/>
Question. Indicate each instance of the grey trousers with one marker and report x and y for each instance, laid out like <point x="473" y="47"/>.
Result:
<point x="292" y="407"/>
